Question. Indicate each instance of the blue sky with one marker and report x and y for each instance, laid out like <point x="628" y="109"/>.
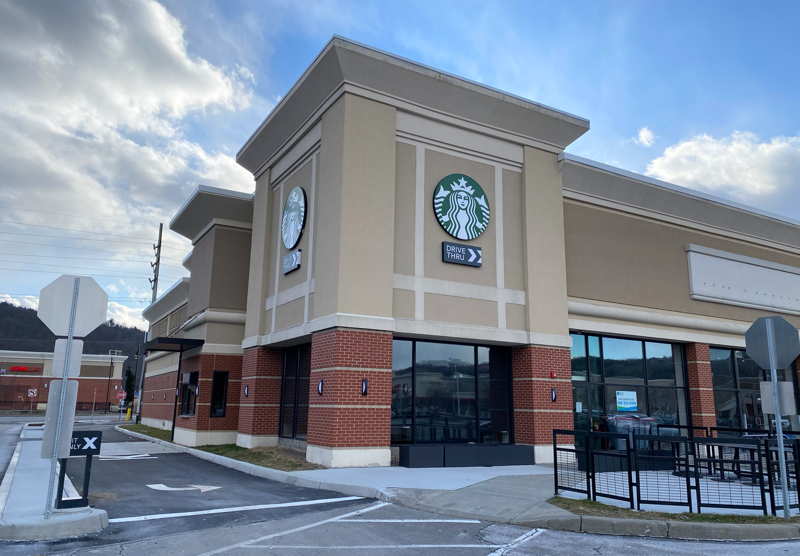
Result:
<point x="110" y="112"/>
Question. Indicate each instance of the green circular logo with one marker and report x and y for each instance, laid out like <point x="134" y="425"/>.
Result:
<point x="461" y="206"/>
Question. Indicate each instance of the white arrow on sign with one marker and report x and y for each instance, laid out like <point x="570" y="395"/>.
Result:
<point x="201" y="488"/>
<point x="472" y="254"/>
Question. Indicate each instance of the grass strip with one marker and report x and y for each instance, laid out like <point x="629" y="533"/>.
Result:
<point x="589" y="507"/>
<point x="273" y="457"/>
<point x="161" y="434"/>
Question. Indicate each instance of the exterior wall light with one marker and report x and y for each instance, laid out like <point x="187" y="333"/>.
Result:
<point x="364" y="386"/>
<point x="320" y="386"/>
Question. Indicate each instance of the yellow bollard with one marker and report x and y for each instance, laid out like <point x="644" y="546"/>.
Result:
<point x="128" y="414"/>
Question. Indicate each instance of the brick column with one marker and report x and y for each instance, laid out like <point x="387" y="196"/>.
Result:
<point x="701" y="386"/>
<point x="536" y="371"/>
<point x="346" y="428"/>
<point x="259" y="409"/>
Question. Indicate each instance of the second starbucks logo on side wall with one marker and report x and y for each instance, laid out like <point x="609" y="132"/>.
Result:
<point x="461" y="207"/>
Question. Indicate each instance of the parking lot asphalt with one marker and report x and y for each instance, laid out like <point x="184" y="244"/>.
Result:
<point x="184" y="494"/>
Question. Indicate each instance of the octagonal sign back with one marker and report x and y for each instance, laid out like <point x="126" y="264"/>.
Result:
<point x="55" y="301"/>
<point x="787" y="342"/>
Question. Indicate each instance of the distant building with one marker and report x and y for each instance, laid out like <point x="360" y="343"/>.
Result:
<point x="26" y="375"/>
<point x="422" y="268"/>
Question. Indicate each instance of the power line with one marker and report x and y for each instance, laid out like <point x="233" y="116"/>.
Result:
<point x="107" y="259"/>
<point x="61" y="266"/>
<point x="76" y="238"/>
<point x="91" y="273"/>
<point x="63" y="247"/>
<point x="68" y="214"/>
<point x="69" y="229"/>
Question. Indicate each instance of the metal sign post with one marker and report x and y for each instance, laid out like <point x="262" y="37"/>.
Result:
<point x="774" y="344"/>
<point x="48" y="505"/>
<point x="71" y="307"/>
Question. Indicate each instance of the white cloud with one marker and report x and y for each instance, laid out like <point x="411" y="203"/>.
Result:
<point x="27" y="301"/>
<point x="765" y="174"/>
<point x="645" y="137"/>
<point x="93" y="103"/>
<point x="126" y="316"/>
<point x="119" y="313"/>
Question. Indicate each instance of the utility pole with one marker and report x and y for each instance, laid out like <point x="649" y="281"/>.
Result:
<point x="156" y="265"/>
<point x="140" y="355"/>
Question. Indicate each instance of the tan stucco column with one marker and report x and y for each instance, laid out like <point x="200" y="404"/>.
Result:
<point x="259" y="263"/>
<point x="355" y="237"/>
<point x="542" y="392"/>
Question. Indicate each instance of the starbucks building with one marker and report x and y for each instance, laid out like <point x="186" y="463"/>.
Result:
<point x="425" y="276"/>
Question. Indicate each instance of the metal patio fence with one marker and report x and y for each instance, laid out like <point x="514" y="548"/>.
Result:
<point x="694" y="474"/>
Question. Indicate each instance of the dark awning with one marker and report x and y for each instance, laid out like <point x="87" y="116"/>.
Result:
<point x="172" y="344"/>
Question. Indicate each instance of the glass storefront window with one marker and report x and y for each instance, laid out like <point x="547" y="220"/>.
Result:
<point x="622" y="361"/>
<point x="594" y="358"/>
<point x="660" y="364"/>
<point x="450" y="393"/>
<point x="722" y="368"/>
<point x="444" y="390"/>
<point x="737" y="391"/>
<point x="750" y="374"/>
<point x="580" y="364"/>
<point x="633" y="383"/>
<point x="401" y="391"/>
<point x="493" y="394"/>
<point x="727" y="407"/>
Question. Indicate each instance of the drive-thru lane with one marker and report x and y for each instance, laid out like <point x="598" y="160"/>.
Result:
<point x="119" y="485"/>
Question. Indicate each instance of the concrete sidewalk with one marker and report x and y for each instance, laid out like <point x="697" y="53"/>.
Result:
<point x="23" y="493"/>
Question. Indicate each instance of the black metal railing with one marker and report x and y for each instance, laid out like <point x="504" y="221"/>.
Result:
<point x="696" y="473"/>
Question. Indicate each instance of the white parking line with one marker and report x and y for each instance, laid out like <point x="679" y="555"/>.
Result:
<point x="516" y="542"/>
<point x="244" y="544"/>
<point x="235" y="509"/>
<point x="409" y="521"/>
<point x="370" y="546"/>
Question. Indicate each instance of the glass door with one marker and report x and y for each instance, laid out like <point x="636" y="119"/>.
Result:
<point x="294" y="392"/>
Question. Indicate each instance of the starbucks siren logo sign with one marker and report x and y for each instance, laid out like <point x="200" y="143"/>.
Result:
<point x="294" y="217"/>
<point x="461" y="207"/>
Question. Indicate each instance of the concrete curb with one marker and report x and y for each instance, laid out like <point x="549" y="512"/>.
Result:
<point x="62" y="523"/>
<point x="684" y="530"/>
<point x="8" y="477"/>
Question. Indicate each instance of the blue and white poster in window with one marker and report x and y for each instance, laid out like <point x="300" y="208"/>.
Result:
<point x="626" y="401"/>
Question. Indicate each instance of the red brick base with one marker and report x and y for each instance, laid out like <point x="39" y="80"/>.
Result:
<point x="701" y="386"/>
<point x="259" y="409"/>
<point x="97" y="392"/>
<point x="537" y="371"/>
<point x="158" y="395"/>
<point x="341" y="417"/>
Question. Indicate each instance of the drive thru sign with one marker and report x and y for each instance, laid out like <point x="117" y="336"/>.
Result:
<point x="774" y="344"/>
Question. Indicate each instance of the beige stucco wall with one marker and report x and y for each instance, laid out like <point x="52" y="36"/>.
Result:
<point x="257" y="282"/>
<point x="620" y="258"/>
<point x="460" y="310"/>
<point x="545" y="274"/>
<point x="200" y="285"/>
<point x="405" y="195"/>
<point x="221" y="263"/>
<point x="513" y="236"/>
<point x="290" y="314"/>
<point x="230" y="268"/>
<point x="327" y="210"/>
<point x="355" y="209"/>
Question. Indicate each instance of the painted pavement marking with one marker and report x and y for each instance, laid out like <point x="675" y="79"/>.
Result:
<point x="244" y="544"/>
<point x="235" y="509"/>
